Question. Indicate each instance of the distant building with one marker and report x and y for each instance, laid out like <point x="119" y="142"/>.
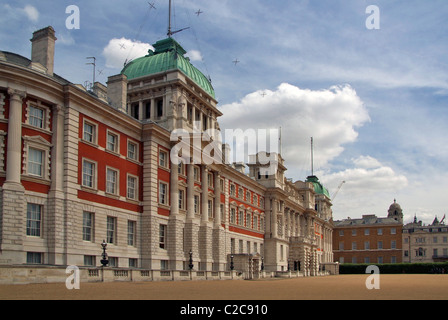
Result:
<point x="425" y="243"/>
<point x="370" y="239"/>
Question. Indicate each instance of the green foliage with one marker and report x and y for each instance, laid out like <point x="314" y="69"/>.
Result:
<point x="396" y="268"/>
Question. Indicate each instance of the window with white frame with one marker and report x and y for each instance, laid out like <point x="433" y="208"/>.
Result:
<point x="163" y="159"/>
<point x="38" y="115"/>
<point x="87" y="226"/>
<point x="36" y="158"/>
<point x="210" y="209"/>
<point x="181" y="199"/>
<point x="162" y="236"/>
<point x="241" y="217"/>
<point x="163" y="193"/>
<point x="132" y="150"/>
<point x="34" y="220"/>
<point x="112" y="143"/>
<point x="89" y="132"/>
<point x="232" y="215"/>
<point x="132" y="187"/>
<point x="111" y="181"/>
<point x="89" y="174"/>
<point x="35" y="162"/>
<point x="111" y="229"/>
<point x="132" y="233"/>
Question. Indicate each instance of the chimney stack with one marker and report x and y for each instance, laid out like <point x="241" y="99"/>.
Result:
<point x="42" y="48"/>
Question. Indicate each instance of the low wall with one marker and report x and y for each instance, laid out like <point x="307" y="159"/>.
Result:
<point x="53" y="274"/>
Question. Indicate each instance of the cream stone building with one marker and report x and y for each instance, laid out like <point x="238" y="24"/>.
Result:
<point x="81" y="166"/>
<point x="425" y="243"/>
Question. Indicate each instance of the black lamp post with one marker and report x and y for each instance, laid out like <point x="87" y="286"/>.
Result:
<point x="191" y="265"/>
<point x="104" y="261"/>
<point x="262" y="264"/>
<point x="231" y="263"/>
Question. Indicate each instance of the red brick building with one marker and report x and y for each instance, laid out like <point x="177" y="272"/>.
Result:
<point x="370" y="239"/>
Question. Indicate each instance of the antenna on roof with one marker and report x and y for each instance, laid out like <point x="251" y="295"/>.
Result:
<point x="170" y="32"/>
<point x="312" y="156"/>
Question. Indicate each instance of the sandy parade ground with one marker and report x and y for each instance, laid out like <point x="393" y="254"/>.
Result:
<point x="342" y="287"/>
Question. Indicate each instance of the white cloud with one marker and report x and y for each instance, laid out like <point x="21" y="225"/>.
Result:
<point x="194" y="55"/>
<point x="118" y="51"/>
<point x="330" y="116"/>
<point x="370" y="187"/>
<point x="31" y="12"/>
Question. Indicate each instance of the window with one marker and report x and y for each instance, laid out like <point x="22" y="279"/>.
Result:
<point x="131" y="233"/>
<point x="196" y="204"/>
<point x="196" y="174"/>
<point x="34" y="257"/>
<point x="133" y="263"/>
<point x="163" y="193"/>
<point x="89" y="261"/>
<point x="341" y="233"/>
<point x="380" y="232"/>
<point x="132" y="151"/>
<point x="354" y="232"/>
<point x="112" y="142"/>
<point x="36" y="117"/>
<point x="210" y="209"/>
<point x="33" y="220"/>
<point x="163" y="159"/>
<point x="232" y="215"/>
<point x="380" y="244"/>
<point x="393" y="244"/>
<point x="248" y="196"/>
<point x="162" y="236"/>
<point x="240" y="193"/>
<point x="248" y="220"/>
<point x="393" y="231"/>
<point x="87" y="226"/>
<point x="241" y="217"/>
<point x="89" y="133"/>
<point x="132" y="187"/>
<point x="159" y="108"/>
<point x="366" y="232"/>
<point x="354" y="246"/>
<point x="232" y="190"/>
<point x="181" y="199"/>
<point x="366" y="245"/>
<point x="35" y="162"/>
<point x="111" y="181"/>
<point x="88" y="174"/>
<point x="111" y="227"/>
<point x="256" y="223"/>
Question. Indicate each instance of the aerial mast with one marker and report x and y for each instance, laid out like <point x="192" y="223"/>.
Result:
<point x="312" y="156"/>
<point x="170" y="32"/>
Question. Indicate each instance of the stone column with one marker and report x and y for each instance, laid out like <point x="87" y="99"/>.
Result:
<point x="190" y="191"/>
<point x="218" y="213"/>
<point x="204" y="198"/>
<point x="57" y="253"/>
<point x="14" y="149"/>
<point x="174" y="189"/>
<point x="12" y="201"/>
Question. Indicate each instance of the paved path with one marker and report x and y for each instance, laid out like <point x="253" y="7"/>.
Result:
<point x="345" y="287"/>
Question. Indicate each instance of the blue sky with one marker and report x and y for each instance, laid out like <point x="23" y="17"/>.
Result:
<point x="375" y="101"/>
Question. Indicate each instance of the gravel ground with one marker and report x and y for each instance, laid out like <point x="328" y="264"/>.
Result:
<point x="342" y="287"/>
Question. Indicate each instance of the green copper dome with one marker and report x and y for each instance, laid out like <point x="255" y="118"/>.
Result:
<point x="318" y="187"/>
<point x="168" y="55"/>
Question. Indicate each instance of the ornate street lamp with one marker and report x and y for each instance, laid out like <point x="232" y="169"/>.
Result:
<point x="231" y="263"/>
<point x="262" y="264"/>
<point x="191" y="265"/>
<point x="104" y="261"/>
